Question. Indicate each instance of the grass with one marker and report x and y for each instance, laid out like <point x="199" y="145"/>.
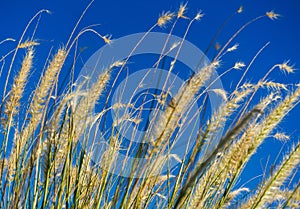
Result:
<point x="45" y="162"/>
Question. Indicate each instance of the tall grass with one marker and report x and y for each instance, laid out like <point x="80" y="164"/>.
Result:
<point x="46" y="160"/>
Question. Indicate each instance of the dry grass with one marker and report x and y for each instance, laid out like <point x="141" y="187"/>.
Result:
<point x="42" y="167"/>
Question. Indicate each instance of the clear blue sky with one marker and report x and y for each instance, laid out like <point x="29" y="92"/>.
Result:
<point x="121" y="18"/>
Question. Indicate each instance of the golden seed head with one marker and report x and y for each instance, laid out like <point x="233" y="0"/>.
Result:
<point x="272" y="85"/>
<point x="286" y="67"/>
<point x="18" y="86"/>
<point x="199" y="15"/>
<point x="272" y="15"/>
<point x="27" y="44"/>
<point x="239" y="65"/>
<point x="107" y="39"/>
<point x="181" y="11"/>
<point x="281" y="136"/>
<point x="165" y="18"/>
<point x="221" y="92"/>
<point x="117" y="63"/>
<point x="233" y="48"/>
<point x="240" y="10"/>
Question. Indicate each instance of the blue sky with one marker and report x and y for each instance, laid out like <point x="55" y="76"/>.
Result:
<point x="120" y="18"/>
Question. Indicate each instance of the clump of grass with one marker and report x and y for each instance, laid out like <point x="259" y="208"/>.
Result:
<point x="46" y="153"/>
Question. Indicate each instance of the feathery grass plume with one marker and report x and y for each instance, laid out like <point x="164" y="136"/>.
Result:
<point x="54" y="122"/>
<point x="173" y="62"/>
<point x="233" y="160"/>
<point x="13" y="160"/>
<point x="220" y="117"/>
<point x="272" y="15"/>
<point x="40" y="96"/>
<point x="46" y="169"/>
<point x="234" y="194"/>
<point x="281" y="136"/>
<point x="277" y="114"/>
<point x="256" y="133"/>
<point x="182" y="11"/>
<point x="203" y="189"/>
<point x="88" y="102"/>
<point x="292" y="198"/>
<point x="238" y="65"/>
<point x="217" y="121"/>
<point x="77" y="124"/>
<point x="47" y="82"/>
<point x="233" y="48"/>
<point x="199" y="16"/>
<point x="89" y="180"/>
<point x="28" y="44"/>
<point x="165" y="18"/>
<point x="13" y="102"/>
<point x="56" y="138"/>
<point x="150" y="186"/>
<point x="272" y="85"/>
<point x="221" y="147"/>
<point x="286" y="67"/>
<point x="63" y="140"/>
<point x="15" y="51"/>
<point x="37" y="110"/>
<point x="221" y="92"/>
<point x="263" y="81"/>
<point x="265" y="194"/>
<point x="168" y="121"/>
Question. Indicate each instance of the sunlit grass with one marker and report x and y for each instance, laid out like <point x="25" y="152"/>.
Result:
<point x="45" y="161"/>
